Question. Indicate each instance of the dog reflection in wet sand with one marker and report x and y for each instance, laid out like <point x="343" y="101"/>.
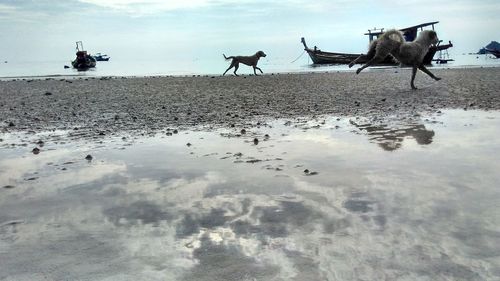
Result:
<point x="391" y="139"/>
<point x="248" y="60"/>
<point x="408" y="53"/>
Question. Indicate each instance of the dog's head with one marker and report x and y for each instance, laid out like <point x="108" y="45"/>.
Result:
<point x="260" y="54"/>
<point x="430" y="35"/>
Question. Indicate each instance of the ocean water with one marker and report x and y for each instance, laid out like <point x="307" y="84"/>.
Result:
<point x="323" y="199"/>
<point x="124" y="66"/>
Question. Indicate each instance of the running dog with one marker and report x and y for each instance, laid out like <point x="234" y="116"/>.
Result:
<point x="248" y="60"/>
<point x="408" y="53"/>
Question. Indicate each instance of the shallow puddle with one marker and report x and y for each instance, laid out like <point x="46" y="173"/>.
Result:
<point x="325" y="199"/>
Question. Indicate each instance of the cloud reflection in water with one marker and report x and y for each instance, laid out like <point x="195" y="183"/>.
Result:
<point x="160" y="210"/>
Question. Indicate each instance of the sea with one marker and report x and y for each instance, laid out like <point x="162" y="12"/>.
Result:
<point x="123" y="66"/>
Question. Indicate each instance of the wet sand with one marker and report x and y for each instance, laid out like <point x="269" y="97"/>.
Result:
<point x="107" y="105"/>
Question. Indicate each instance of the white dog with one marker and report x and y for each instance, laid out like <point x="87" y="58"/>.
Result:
<point x="409" y="53"/>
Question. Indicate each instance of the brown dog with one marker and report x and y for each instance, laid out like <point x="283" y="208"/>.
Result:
<point x="248" y="60"/>
<point x="409" y="53"/>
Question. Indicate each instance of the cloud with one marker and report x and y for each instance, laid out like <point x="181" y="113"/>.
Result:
<point x="6" y="10"/>
<point x="148" y="6"/>
<point x="22" y="14"/>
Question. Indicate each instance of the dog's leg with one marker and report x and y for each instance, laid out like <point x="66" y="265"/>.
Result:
<point x="367" y="64"/>
<point x="413" y="73"/>
<point x="236" y="68"/>
<point x="230" y="66"/>
<point x="254" y="68"/>
<point x="227" y="70"/>
<point x="426" y="71"/>
<point x="379" y="56"/>
<point x="370" y="55"/>
<point x="352" y="63"/>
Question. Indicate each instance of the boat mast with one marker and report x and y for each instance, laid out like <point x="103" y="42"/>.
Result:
<point x="79" y="46"/>
<point x="374" y="33"/>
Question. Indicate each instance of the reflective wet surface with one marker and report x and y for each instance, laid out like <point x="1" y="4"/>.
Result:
<point x="324" y="199"/>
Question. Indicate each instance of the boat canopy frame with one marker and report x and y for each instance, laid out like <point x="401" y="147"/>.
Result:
<point x="410" y="33"/>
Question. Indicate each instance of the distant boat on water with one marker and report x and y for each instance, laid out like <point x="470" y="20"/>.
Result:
<point x="101" y="57"/>
<point x="491" y="48"/>
<point x="410" y="33"/>
<point x="83" y="60"/>
<point x="496" y="53"/>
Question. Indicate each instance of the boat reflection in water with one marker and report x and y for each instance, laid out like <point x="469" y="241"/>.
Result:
<point x="392" y="138"/>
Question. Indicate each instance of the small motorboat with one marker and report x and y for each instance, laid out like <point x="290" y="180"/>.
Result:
<point x="101" y="57"/>
<point x="83" y="60"/>
<point x="495" y="52"/>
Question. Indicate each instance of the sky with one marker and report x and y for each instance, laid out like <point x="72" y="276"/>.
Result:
<point x="204" y="29"/>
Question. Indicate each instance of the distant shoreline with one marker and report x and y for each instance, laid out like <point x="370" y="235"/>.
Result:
<point x="213" y="67"/>
<point x="317" y="69"/>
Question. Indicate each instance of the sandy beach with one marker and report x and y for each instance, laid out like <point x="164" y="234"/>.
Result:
<point x="106" y="105"/>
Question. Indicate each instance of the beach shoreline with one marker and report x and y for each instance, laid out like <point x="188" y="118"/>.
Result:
<point x="110" y="104"/>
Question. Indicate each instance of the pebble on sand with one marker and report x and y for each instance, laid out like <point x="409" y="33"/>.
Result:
<point x="89" y="157"/>
<point x="309" y="173"/>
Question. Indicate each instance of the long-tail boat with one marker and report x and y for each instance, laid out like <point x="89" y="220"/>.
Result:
<point x="409" y="33"/>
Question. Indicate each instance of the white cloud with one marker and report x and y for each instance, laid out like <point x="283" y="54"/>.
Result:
<point x="144" y="7"/>
<point x="11" y="14"/>
<point x="148" y="6"/>
<point x="6" y="10"/>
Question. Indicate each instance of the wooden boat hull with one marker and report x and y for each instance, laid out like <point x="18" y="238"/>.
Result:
<point x="320" y="57"/>
<point x="89" y="62"/>
<point x="83" y="60"/>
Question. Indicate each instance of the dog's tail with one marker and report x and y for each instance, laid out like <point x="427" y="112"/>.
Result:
<point x="228" y="58"/>
<point x="394" y="35"/>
